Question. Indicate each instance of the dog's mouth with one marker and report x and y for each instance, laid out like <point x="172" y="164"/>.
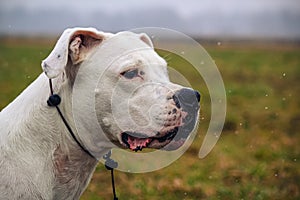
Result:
<point x="136" y="141"/>
<point x="171" y="140"/>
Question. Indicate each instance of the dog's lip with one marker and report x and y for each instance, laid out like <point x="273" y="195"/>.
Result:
<point x="171" y="140"/>
<point x="136" y="141"/>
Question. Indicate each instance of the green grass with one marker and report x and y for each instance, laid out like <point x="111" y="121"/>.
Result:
<point x="258" y="154"/>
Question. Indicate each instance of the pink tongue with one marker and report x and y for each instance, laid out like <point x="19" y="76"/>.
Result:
<point x="138" y="142"/>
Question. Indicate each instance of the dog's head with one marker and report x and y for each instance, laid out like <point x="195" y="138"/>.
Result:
<point x="135" y="103"/>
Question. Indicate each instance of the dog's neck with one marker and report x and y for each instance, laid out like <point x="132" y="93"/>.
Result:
<point x="68" y="156"/>
<point x="38" y="133"/>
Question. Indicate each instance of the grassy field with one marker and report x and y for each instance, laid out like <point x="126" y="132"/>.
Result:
<point x="258" y="154"/>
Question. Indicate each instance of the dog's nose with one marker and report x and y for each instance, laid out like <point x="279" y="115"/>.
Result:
<point x="187" y="98"/>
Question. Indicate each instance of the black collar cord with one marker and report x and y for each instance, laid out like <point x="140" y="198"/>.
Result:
<point x="53" y="101"/>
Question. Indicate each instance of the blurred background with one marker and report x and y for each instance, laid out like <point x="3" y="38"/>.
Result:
<point x="268" y="19"/>
<point x="256" y="46"/>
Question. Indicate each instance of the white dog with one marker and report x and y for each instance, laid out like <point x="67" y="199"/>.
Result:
<point x="135" y="104"/>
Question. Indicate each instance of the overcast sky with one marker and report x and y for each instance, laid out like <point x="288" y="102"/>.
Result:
<point x="206" y="18"/>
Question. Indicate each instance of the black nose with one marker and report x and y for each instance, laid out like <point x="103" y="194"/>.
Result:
<point x="187" y="98"/>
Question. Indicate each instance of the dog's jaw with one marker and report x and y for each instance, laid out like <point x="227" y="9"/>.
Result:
<point x="169" y="138"/>
<point x="137" y="143"/>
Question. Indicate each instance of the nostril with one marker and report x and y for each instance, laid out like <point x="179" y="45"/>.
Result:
<point x="198" y="96"/>
<point x="176" y="100"/>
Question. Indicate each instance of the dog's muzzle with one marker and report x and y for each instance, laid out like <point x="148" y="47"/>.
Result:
<point x="187" y="101"/>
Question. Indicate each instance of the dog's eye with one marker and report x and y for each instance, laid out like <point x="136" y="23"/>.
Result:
<point x="130" y="74"/>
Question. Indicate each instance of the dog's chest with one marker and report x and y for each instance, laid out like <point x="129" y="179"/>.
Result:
<point x="69" y="181"/>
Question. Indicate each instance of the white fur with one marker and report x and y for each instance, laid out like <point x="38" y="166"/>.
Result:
<point x="38" y="157"/>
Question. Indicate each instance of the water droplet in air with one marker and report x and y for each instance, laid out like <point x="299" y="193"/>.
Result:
<point x="219" y="43"/>
<point x="266" y="108"/>
<point x="216" y="135"/>
<point x="283" y="74"/>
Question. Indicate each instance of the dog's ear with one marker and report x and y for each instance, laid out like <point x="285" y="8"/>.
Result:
<point x="73" y="46"/>
<point x="145" y="38"/>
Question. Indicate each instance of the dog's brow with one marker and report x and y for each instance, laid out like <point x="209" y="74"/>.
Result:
<point x="132" y="63"/>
